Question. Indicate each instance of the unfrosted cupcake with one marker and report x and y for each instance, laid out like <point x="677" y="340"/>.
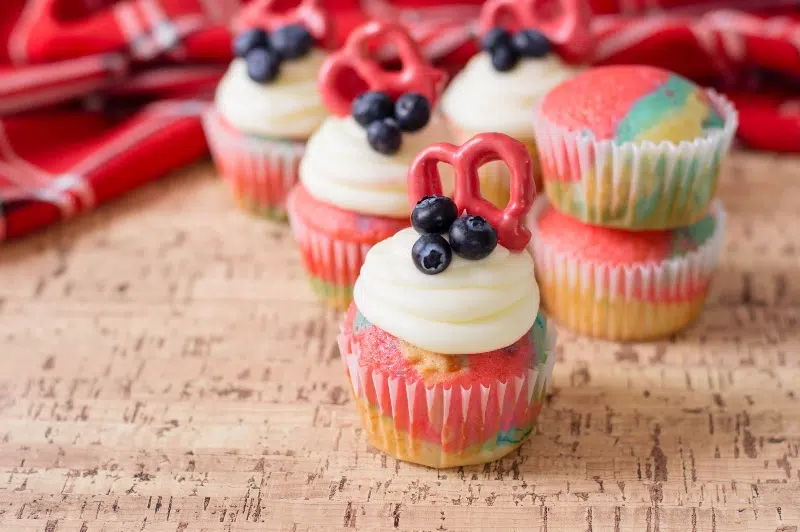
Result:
<point x="267" y="105"/>
<point x="499" y="86"/>
<point x="633" y="147"/>
<point x="352" y="192"/>
<point x="447" y="355"/>
<point x="624" y="285"/>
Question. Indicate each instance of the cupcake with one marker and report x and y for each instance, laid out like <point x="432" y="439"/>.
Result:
<point x="522" y="58"/>
<point x="624" y="285"/>
<point x="267" y="104"/>
<point x="633" y="147"/>
<point x="352" y="191"/>
<point x="447" y="355"/>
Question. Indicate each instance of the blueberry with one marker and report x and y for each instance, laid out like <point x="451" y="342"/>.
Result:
<point x="412" y="111"/>
<point x="434" y="214"/>
<point x="494" y="38"/>
<point x="504" y="58"/>
<point x="472" y="238"/>
<point x="431" y="254"/>
<point x="531" y="43"/>
<point x="248" y="40"/>
<point x="292" y="41"/>
<point x="262" y="65"/>
<point x="371" y="106"/>
<point x="385" y="136"/>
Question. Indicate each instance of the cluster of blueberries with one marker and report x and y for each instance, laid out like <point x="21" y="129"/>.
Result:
<point x="470" y="237"/>
<point x="386" y="120"/>
<point x="506" y="49"/>
<point x="263" y="53"/>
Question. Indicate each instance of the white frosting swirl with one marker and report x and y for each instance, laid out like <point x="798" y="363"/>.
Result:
<point x="339" y="167"/>
<point x="471" y="307"/>
<point x="288" y="107"/>
<point x="481" y="98"/>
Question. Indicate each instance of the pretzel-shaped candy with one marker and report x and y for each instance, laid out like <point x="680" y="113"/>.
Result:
<point x="266" y="14"/>
<point x="564" y="22"/>
<point x="355" y="57"/>
<point x="424" y="180"/>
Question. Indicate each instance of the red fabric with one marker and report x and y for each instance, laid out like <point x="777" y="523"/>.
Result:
<point x="100" y="96"/>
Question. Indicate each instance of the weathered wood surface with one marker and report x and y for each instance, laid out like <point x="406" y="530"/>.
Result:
<point x="164" y="368"/>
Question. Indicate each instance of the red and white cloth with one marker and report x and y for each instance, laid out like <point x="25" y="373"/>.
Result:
<point x="100" y="96"/>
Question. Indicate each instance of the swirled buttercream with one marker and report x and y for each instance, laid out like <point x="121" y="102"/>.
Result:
<point x="339" y="167"/>
<point x="471" y="307"/>
<point x="288" y="107"/>
<point x="481" y="98"/>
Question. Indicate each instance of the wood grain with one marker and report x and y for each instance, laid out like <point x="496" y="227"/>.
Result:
<point x="165" y="368"/>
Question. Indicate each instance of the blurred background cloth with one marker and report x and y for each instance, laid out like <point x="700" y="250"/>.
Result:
<point x="100" y="96"/>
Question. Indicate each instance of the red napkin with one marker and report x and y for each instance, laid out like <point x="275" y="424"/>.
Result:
<point x="100" y="96"/>
<point x="97" y="97"/>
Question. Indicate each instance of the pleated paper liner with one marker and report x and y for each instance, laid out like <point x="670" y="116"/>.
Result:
<point x="495" y="177"/>
<point x="259" y="171"/>
<point x="333" y="263"/>
<point x="625" y="302"/>
<point x="447" y="425"/>
<point x="633" y="185"/>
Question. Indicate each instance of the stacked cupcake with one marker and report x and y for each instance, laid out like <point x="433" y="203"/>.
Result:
<point x="627" y="244"/>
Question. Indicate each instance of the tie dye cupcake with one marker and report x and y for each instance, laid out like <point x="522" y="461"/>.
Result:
<point x="633" y="147"/>
<point x="446" y="352"/>
<point x="624" y="285"/>
<point x="522" y="58"/>
<point x="352" y="192"/>
<point x="267" y="105"/>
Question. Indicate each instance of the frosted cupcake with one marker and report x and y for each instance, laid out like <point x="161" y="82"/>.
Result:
<point x="624" y="285"/>
<point x="447" y="355"/>
<point x="352" y="192"/>
<point x="633" y="147"/>
<point x="522" y="58"/>
<point x="267" y="105"/>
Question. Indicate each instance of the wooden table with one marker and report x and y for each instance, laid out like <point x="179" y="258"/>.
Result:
<point x="165" y="368"/>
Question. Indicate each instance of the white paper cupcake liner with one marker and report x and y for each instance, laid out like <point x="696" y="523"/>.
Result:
<point x="333" y="265"/>
<point x="259" y="171"/>
<point x="633" y="185"/>
<point x="467" y="419"/>
<point x="625" y="302"/>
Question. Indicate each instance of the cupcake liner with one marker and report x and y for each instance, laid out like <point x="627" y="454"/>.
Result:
<point x="332" y="264"/>
<point x="495" y="177"/>
<point x="625" y="302"/>
<point x="445" y="424"/>
<point x="259" y="171"/>
<point x="633" y="185"/>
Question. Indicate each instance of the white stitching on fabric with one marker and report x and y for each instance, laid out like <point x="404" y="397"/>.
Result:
<point x="163" y="32"/>
<point x="128" y="22"/>
<point x="43" y="188"/>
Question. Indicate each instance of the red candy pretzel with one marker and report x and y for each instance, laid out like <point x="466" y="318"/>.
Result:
<point x="424" y="180"/>
<point x="564" y="22"/>
<point x="269" y="15"/>
<point x="357" y="58"/>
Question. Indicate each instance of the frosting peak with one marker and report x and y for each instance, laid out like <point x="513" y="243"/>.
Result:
<point x="340" y="167"/>
<point x="288" y="107"/>
<point x="482" y="99"/>
<point x="472" y="307"/>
